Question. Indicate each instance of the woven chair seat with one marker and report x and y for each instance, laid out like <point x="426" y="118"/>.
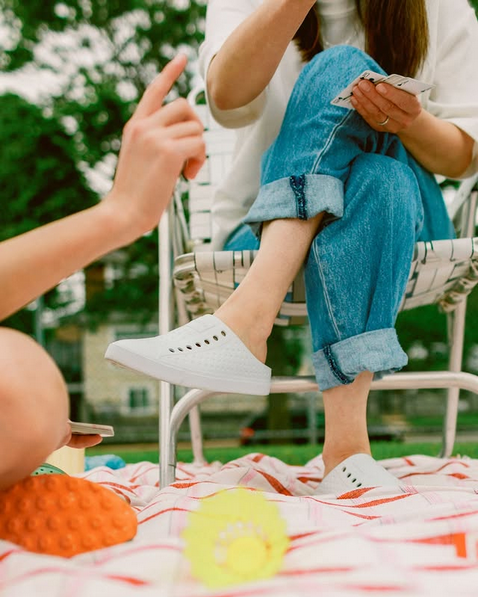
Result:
<point x="442" y="272"/>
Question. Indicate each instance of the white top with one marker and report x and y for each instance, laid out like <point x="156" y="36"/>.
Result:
<point x="450" y="66"/>
<point x="339" y="23"/>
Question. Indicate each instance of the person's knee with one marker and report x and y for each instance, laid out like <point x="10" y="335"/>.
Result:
<point x="376" y="167"/>
<point x="33" y="404"/>
<point x="388" y="186"/>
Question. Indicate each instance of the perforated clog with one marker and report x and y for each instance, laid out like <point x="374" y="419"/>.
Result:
<point x="356" y="472"/>
<point x="204" y="354"/>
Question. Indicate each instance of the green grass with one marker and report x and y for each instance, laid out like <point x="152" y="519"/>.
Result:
<point x="291" y="454"/>
<point x="465" y="421"/>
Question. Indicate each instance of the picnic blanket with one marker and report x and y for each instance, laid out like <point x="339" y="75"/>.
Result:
<point x="421" y="539"/>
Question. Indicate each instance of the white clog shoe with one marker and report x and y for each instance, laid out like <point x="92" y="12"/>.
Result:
<point x="204" y="354"/>
<point x="355" y="472"/>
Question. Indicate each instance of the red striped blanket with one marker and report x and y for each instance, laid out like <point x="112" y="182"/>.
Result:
<point x="418" y="540"/>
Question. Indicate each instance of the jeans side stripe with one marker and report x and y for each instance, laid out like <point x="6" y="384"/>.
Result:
<point x="330" y="139"/>
<point x="328" y="302"/>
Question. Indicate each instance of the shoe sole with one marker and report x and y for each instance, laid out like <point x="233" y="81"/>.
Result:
<point x="130" y="360"/>
<point x="64" y="516"/>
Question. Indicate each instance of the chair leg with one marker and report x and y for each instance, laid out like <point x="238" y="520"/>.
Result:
<point x="187" y="405"/>
<point x="456" y="332"/>
<point x="167" y="458"/>
<point x="194" y="415"/>
<point x="196" y="436"/>
<point x="449" y="423"/>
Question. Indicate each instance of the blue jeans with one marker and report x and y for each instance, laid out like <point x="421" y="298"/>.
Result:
<point x="378" y="201"/>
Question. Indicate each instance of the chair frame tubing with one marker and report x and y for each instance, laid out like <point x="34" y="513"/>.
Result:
<point x="456" y="338"/>
<point x="167" y="466"/>
<point x="284" y="385"/>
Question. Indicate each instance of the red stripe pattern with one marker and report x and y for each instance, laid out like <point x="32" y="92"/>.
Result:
<point x="420" y="539"/>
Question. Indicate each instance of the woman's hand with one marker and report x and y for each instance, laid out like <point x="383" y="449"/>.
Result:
<point x="386" y="108"/>
<point x="438" y="145"/>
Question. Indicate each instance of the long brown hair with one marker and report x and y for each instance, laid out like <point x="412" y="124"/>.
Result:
<point x="396" y="34"/>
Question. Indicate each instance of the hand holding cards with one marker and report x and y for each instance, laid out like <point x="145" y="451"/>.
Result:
<point x="408" y="84"/>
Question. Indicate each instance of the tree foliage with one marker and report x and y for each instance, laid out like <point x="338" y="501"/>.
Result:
<point x="89" y="60"/>
<point x="103" y="53"/>
<point x="38" y="171"/>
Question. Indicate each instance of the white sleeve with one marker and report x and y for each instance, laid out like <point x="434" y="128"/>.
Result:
<point x="455" y="96"/>
<point x="223" y="17"/>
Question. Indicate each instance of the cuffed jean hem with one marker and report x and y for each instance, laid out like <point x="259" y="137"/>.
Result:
<point x="339" y="364"/>
<point x="298" y="197"/>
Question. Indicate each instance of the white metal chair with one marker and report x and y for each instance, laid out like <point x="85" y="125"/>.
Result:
<point x="442" y="272"/>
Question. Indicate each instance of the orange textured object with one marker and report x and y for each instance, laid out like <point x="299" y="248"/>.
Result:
<point x="64" y="516"/>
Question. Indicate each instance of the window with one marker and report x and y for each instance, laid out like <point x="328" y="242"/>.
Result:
<point x="138" y="398"/>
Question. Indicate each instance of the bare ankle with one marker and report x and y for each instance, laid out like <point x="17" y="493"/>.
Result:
<point x="253" y="331"/>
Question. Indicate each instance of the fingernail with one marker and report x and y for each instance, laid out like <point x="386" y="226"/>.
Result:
<point x="364" y="85"/>
<point x="382" y="89"/>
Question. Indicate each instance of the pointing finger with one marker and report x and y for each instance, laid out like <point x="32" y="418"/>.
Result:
<point x="154" y="95"/>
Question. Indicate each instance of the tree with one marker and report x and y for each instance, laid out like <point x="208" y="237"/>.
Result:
<point x="38" y="171"/>
<point x="99" y="56"/>
<point x="103" y="55"/>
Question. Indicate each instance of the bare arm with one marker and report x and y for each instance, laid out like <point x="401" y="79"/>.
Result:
<point x="247" y="61"/>
<point x="157" y="142"/>
<point x="439" y="146"/>
<point x="34" y="262"/>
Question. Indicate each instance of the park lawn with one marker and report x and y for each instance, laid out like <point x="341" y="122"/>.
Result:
<point x="291" y="454"/>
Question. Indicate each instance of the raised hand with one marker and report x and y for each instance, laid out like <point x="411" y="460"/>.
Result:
<point x="159" y="142"/>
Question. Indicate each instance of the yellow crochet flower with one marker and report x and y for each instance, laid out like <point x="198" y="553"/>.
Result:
<point x="234" y="537"/>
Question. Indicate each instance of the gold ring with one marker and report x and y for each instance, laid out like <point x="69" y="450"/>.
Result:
<point x="384" y="122"/>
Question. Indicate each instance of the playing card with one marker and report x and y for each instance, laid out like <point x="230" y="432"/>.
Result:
<point x="413" y="86"/>
<point x="343" y="98"/>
